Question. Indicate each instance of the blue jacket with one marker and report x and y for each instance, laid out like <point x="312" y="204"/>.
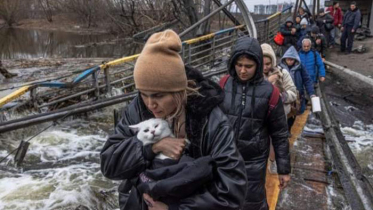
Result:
<point x="313" y="63"/>
<point x="298" y="72"/>
<point x="352" y="18"/>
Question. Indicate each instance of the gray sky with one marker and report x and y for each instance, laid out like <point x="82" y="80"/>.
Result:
<point x="250" y="3"/>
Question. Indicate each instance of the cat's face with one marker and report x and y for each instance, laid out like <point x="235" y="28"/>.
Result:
<point x="152" y="130"/>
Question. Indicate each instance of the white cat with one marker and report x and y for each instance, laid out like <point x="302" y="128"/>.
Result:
<point x="151" y="131"/>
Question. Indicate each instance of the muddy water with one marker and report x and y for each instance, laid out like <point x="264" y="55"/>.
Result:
<point x="21" y="43"/>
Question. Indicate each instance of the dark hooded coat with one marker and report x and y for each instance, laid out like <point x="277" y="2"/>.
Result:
<point x="246" y="105"/>
<point x="289" y="39"/>
<point x="323" y="21"/>
<point x="124" y="157"/>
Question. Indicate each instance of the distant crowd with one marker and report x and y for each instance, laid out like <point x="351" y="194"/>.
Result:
<point x="322" y="29"/>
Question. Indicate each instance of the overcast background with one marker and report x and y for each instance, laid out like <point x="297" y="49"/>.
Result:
<point x="250" y="3"/>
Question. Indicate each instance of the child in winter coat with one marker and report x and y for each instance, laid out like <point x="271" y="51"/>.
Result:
<point x="292" y="63"/>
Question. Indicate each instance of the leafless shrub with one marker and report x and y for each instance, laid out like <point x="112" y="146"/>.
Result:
<point x="10" y="11"/>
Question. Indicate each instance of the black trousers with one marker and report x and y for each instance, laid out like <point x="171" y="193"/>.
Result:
<point x="349" y="36"/>
<point x="291" y="121"/>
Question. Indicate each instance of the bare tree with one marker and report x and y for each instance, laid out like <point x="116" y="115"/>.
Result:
<point x="205" y="27"/>
<point x="46" y="5"/>
<point x="88" y="10"/>
<point x="10" y="10"/>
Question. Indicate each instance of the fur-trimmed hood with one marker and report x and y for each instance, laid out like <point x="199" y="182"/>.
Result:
<point x="211" y="94"/>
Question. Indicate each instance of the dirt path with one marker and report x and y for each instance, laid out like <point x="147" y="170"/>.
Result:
<point x="359" y="62"/>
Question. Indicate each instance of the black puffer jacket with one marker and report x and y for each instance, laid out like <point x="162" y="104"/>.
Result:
<point x="246" y="105"/>
<point x="124" y="157"/>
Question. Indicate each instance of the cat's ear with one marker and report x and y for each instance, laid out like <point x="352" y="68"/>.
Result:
<point x="134" y="128"/>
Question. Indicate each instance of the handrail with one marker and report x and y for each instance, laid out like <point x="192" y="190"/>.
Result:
<point x="104" y="66"/>
<point x="14" y="95"/>
<point x="274" y="15"/>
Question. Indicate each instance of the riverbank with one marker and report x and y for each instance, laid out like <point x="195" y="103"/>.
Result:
<point x="63" y="23"/>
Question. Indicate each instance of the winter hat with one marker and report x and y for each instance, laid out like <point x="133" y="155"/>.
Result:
<point x="304" y="22"/>
<point x="289" y="20"/>
<point x="268" y="52"/>
<point x="159" y="67"/>
<point x="353" y="3"/>
<point x="315" y="30"/>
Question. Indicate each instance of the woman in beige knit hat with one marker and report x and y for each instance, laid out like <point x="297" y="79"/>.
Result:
<point x="170" y="90"/>
<point x="283" y="81"/>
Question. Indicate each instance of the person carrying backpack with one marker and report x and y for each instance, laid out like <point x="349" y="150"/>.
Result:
<point x="255" y="110"/>
<point x="312" y="60"/>
<point x="292" y="63"/>
<point x="325" y="23"/>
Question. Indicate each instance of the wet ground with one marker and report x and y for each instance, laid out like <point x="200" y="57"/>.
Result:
<point x="359" y="62"/>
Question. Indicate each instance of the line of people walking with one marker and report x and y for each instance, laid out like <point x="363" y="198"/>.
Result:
<point x="231" y="130"/>
<point x="322" y="29"/>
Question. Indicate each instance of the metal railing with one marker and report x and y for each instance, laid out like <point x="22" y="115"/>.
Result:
<point x="267" y="28"/>
<point x="203" y="52"/>
<point x="206" y="53"/>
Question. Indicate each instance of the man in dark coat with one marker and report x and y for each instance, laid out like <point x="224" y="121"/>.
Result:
<point x="289" y="32"/>
<point x="351" y="21"/>
<point x="246" y="103"/>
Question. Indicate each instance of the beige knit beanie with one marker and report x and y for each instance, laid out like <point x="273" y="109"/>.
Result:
<point x="268" y="52"/>
<point x="159" y="67"/>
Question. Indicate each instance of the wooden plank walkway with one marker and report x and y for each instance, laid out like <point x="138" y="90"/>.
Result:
<point x="307" y="188"/>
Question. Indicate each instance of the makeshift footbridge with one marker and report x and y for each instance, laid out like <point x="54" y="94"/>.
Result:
<point x="94" y="88"/>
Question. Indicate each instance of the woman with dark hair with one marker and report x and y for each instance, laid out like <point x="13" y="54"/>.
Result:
<point x="256" y="112"/>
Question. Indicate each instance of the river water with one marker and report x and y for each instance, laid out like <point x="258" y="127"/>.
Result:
<point x="62" y="167"/>
<point x="24" y="44"/>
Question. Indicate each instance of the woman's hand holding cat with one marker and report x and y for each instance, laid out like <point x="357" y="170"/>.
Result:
<point x="171" y="147"/>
